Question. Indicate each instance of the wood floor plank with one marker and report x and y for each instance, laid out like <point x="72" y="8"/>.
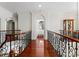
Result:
<point x="39" y="48"/>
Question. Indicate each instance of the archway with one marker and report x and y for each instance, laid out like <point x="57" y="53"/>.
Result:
<point x="10" y="27"/>
<point x="41" y="28"/>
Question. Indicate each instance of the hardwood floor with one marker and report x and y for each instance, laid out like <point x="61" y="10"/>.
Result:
<point x="39" y="48"/>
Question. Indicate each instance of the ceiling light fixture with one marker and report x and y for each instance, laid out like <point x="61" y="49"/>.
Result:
<point x="39" y="5"/>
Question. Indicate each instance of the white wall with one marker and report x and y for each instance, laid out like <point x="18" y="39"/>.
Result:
<point x="36" y="15"/>
<point x="60" y="12"/>
<point x="24" y="21"/>
<point x="4" y="14"/>
<point x="78" y="16"/>
<point x="55" y="15"/>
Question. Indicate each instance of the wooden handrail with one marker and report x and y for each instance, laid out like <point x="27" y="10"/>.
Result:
<point x="76" y="32"/>
<point x="8" y="30"/>
<point x="17" y="33"/>
<point x="2" y="43"/>
<point x="65" y="36"/>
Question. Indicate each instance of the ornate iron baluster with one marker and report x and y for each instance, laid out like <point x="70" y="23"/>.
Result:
<point x="76" y="49"/>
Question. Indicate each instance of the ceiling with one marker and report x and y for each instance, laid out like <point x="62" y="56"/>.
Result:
<point x="33" y="6"/>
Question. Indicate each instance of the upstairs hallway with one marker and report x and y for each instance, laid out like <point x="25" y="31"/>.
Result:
<point x="39" y="48"/>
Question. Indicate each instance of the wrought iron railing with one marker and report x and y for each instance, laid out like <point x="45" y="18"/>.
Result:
<point x="3" y="34"/>
<point x="65" y="46"/>
<point x="14" y="44"/>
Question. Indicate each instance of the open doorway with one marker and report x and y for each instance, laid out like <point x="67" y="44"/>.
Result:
<point x="11" y="27"/>
<point x="40" y="28"/>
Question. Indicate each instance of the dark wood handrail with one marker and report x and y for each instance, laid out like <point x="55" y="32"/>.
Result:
<point x="8" y="30"/>
<point x="76" y="31"/>
<point x="2" y="43"/>
<point x="17" y="33"/>
<point x="65" y="36"/>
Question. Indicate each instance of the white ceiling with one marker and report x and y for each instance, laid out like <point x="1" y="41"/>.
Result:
<point x="33" y="6"/>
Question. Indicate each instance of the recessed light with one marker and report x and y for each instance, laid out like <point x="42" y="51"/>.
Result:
<point x="39" y="5"/>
